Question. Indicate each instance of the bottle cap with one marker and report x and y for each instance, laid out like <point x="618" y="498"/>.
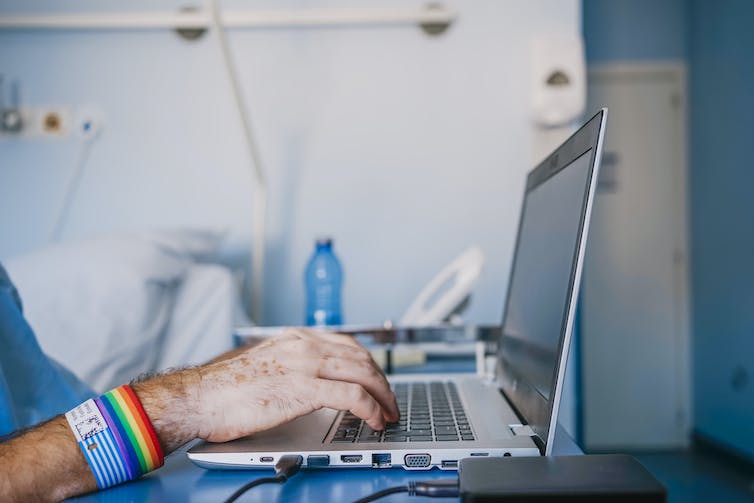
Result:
<point x="323" y="241"/>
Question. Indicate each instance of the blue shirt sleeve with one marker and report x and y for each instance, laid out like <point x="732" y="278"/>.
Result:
<point x="33" y="387"/>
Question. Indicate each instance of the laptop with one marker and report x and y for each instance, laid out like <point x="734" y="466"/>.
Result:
<point x="445" y="418"/>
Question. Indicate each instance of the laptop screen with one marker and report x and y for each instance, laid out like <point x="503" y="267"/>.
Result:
<point x="542" y="281"/>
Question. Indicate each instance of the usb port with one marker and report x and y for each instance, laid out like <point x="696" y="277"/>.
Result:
<point x="317" y="460"/>
<point x="266" y="459"/>
<point x="381" y="461"/>
<point x="449" y="463"/>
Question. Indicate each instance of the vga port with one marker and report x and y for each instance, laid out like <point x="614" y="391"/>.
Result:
<point x="417" y="460"/>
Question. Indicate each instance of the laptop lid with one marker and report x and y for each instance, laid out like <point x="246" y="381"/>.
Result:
<point x="545" y="276"/>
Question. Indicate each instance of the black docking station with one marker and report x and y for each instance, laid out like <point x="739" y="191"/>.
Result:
<point x="589" y="478"/>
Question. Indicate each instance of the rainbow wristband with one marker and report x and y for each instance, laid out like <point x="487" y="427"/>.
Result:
<point x="116" y="437"/>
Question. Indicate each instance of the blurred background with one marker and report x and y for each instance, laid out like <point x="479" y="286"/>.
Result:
<point x="158" y="188"/>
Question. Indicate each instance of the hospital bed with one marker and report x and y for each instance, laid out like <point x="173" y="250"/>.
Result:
<point x="117" y="306"/>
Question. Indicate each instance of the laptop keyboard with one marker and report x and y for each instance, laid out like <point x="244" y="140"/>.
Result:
<point x="430" y="412"/>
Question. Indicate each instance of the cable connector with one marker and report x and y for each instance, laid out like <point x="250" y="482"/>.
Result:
<point x="443" y="488"/>
<point x="285" y="468"/>
<point x="288" y="466"/>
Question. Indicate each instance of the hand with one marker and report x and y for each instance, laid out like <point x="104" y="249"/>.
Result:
<point x="260" y="387"/>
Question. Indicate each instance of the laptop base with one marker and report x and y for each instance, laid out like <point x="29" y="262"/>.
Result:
<point x="491" y="417"/>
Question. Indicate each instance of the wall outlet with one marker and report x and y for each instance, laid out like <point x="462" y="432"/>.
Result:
<point x="50" y="122"/>
<point x="54" y="121"/>
<point x="58" y="122"/>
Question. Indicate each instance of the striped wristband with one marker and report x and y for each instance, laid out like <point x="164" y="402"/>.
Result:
<point x="116" y="437"/>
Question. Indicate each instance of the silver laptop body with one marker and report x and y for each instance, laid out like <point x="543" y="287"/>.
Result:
<point x="514" y="414"/>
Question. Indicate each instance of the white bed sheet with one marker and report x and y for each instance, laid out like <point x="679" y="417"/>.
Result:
<point x="115" y="307"/>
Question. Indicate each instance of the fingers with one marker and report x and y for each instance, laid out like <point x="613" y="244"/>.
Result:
<point x="349" y="396"/>
<point x="364" y="374"/>
<point x="346" y="340"/>
<point x="339" y="358"/>
<point x="340" y="338"/>
<point x="344" y="359"/>
<point x="328" y="336"/>
<point x="343" y="363"/>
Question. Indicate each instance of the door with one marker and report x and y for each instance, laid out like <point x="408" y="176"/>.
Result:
<point x="634" y="330"/>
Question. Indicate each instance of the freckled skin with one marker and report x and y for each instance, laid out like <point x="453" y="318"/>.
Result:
<point x="239" y="393"/>
<point x="291" y="375"/>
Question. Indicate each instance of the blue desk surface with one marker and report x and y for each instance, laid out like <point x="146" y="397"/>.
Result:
<point x="180" y="480"/>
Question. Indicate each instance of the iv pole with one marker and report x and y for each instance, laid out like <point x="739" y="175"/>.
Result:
<point x="259" y="198"/>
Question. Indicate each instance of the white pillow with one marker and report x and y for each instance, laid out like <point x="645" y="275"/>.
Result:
<point x="203" y="317"/>
<point x="101" y="306"/>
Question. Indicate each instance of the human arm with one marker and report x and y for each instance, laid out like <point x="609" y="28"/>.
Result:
<point x="44" y="464"/>
<point x="281" y="379"/>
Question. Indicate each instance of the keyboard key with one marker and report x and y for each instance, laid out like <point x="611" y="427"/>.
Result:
<point x="369" y="435"/>
<point x="444" y="422"/>
<point x="397" y="432"/>
<point x="396" y="427"/>
<point x="442" y="430"/>
<point x="427" y="407"/>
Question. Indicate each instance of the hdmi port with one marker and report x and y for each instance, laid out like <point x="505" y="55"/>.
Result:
<point x="351" y="458"/>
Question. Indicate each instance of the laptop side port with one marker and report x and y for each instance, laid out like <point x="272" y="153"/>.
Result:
<point x="266" y="459"/>
<point x="416" y="460"/>
<point x="478" y="454"/>
<point x="351" y="458"/>
<point x="317" y="460"/>
<point x="449" y="464"/>
<point x="381" y="461"/>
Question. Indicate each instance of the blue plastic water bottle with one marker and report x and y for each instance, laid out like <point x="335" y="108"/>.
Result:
<point x="324" y="279"/>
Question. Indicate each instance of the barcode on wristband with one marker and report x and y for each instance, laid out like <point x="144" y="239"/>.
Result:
<point x="86" y="420"/>
<point x="97" y="444"/>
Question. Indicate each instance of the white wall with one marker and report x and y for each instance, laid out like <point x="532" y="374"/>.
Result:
<point x="405" y="148"/>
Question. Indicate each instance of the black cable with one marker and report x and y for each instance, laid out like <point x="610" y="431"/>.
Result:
<point x="382" y="494"/>
<point x="264" y="480"/>
<point x="285" y="468"/>
<point x="443" y="488"/>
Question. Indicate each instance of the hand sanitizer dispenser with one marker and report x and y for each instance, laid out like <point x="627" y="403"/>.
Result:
<point x="558" y="80"/>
